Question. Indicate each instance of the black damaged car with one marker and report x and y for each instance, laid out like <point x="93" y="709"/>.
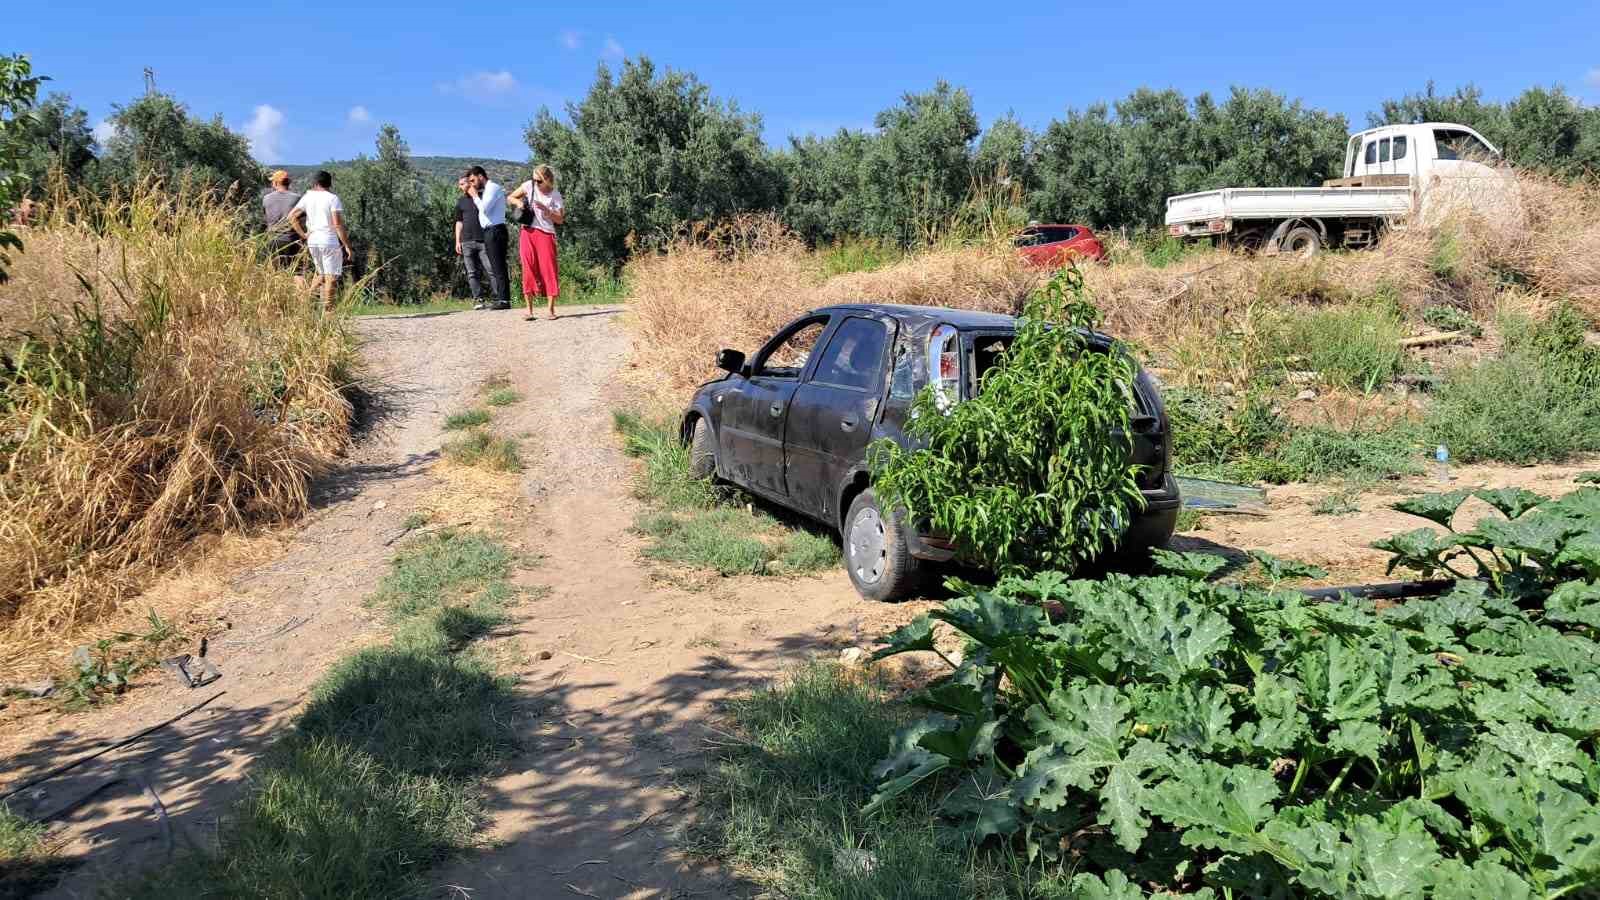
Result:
<point x="792" y="424"/>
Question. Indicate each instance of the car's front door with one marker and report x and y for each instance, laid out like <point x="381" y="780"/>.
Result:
<point x="756" y="409"/>
<point x="832" y="415"/>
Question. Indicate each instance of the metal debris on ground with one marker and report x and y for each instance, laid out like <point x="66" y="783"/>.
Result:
<point x="193" y="671"/>
<point x="1220" y="496"/>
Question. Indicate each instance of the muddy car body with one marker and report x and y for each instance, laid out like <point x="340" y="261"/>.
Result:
<point x="792" y="423"/>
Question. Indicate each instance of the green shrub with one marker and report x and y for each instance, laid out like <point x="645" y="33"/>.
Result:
<point x="1213" y="437"/>
<point x="856" y="255"/>
<point x="1538" y="400"/>
<point x="503" y="396"/>
<point x="717" y="539"/>
<point x="1318" y="453"/>
<point x="1449" y="318"/>
<point x="1350" y="347"/>
<point x="1030" y="471"/>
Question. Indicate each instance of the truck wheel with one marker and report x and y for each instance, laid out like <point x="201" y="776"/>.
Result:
<point x="702" y="451"/>
<point x="875" y="551"/>
<point x="1302" y="240"/>
<point x="1249" y="241"/>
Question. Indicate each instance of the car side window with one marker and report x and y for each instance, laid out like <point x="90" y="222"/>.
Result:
<point x="854" y="355"/>
<point x="903" y="385"/>
<point x="788" y="359"/>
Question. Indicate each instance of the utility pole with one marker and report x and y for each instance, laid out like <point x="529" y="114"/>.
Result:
<point x="149" y="81"/>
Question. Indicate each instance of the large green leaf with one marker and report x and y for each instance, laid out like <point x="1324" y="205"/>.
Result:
<point x="1574" y="603"/>
<point x="1453" y="879"/>
<point x="1511" y="501"/>
<point x="1436" y="508"/>
<point x="1392" y="858"/>
<point x="1278" y="568"/>
<point x="1226" y="804"/>
<point x="991" y="618"/>
<point x="984" y="801"/>
<point x="1417" y="549"/>
<point x="1540" y="752"/>
<point x="1198" y="566"/>
<point x="1582" y="551"/>
<point x="1341" y="682"/>
<point x="914" y="635"/>
<point x="1124" y="793"/>
<point x="1162" y="628"/>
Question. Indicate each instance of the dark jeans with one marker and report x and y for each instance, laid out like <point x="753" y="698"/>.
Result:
<point x="476" y="258"/>
<point x="494" y="245"/>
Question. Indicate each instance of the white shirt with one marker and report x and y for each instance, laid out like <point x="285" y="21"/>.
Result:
<point x="491" y="205"/>
<point x="541" y="220"/>
<point x="320" y="205"/>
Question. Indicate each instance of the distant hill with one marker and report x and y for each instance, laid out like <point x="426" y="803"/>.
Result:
<point x="449" y="168"/>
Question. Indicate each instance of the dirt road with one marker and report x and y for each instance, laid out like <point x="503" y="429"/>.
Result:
<point x="619" y="663"/>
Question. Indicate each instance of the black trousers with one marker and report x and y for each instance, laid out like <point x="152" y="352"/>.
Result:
<point x="494" y="244"/>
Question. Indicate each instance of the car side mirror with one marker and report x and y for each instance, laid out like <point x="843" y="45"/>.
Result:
<point x="730" y="361"/>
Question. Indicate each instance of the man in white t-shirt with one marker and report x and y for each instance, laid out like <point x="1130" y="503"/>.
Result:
<point x="319" y="220"/>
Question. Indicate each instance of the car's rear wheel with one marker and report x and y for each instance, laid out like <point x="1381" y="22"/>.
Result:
<point x="876" y="551"/>
<point x="702" y="451"/>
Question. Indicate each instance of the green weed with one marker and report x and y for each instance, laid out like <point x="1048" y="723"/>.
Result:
<point x="484" y="450"/>
<point x="27" y="865"/>
<point x="802" y="550"/>
<point x="502" y="397"/>
<point x="857" y="255"/>
<point x="471" y="418"/>
<point x="1448" y="318"/>
<point x="1319" y="453"/>
<point x="786" y="807"/>
<point x="666" y="481"/>
<point x="1538" y="400"/>
<point x="716" y="539"/>
<point x="1350" y="347"/>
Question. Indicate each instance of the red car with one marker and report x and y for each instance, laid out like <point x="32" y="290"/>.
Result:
<point x="1050" y="246"/>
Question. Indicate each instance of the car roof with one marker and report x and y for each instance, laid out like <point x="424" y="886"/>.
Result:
<point x="919" y="316"/>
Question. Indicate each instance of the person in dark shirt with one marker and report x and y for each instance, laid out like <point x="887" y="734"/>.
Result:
<point x="469" y="244"/>
<point x="275" y="207"/>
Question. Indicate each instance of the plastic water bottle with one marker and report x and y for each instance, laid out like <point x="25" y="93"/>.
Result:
<point x="1441" y="464"/>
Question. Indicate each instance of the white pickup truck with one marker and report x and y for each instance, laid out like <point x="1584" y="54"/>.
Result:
<point x="1391" y="175"/>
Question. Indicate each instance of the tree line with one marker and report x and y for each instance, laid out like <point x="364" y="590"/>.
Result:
<point x="647" y="150"/>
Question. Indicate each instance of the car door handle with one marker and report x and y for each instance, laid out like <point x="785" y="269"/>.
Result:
<point x="776" y="409"/>
<point x="848" y="423"/>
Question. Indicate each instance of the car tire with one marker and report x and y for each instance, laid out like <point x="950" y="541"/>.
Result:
<point x="702" y="451"/>
<point x="1302" y="240"/>
<point x="877" y="555"/>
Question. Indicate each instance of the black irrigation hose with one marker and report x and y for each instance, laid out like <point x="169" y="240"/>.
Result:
<point x="1389" y="590"/>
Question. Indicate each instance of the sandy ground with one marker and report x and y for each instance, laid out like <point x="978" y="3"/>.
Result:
<point x="637" y="655"/>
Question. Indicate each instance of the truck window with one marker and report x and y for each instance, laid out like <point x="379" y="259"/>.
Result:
<point x="854" y="355"/>
<point x="1400" y="148"/>
<point x="1372" y="153"/>
<point x="1383" y="150"/>
<point x="1453" y="143"/>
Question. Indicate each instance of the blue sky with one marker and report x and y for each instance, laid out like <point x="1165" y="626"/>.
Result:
<point x="310" y="82"/>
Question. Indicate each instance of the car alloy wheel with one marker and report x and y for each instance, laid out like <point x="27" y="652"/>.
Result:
<point x="866" y="546"/>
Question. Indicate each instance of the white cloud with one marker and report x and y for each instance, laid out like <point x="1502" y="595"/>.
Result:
<point x="359" y="115"/>
<point x="482" y="85"/>
<point x="1593" y="78"/>
<point x="104" y="132"/>
<point x="612" y="48"/>
<point x="265" y="131"/>
<point x="571" y="40"/>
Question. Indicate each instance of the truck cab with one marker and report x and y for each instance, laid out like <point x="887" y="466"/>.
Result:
<point x="1414" y="151"/>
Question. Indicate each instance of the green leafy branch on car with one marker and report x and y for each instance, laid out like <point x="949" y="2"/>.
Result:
<point x="1034" y="470"/>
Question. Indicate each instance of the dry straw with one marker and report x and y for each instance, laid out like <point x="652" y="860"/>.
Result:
<point x="734" y="285"/>
<point x="161" y="383"/>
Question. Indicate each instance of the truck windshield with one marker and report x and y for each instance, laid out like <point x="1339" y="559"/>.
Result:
<point x="1453" y="143"/>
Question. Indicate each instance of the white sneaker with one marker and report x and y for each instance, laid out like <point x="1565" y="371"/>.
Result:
<point x="480" y="305"/>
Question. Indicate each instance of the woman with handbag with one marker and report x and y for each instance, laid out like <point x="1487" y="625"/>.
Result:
<point x="539" y="210"/>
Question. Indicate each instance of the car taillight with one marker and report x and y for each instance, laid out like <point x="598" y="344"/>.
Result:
<point x="944" y="363"/>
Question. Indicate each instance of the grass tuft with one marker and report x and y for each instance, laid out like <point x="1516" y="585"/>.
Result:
<point x="377" y="779"/>
<point x="785" y="808"/>
<point x="470" y="418"/>
<point x="1352" y="347"/>
<point x="484" y="449"/>
<point x="695" y="523"/>
<point x="502" y="397"/>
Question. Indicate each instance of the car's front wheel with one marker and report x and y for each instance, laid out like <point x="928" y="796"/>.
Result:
<point x="702" y="451"/>
<point x="876" y="552"/>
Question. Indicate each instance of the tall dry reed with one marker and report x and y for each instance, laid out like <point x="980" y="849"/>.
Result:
<point x="159" y="382"/>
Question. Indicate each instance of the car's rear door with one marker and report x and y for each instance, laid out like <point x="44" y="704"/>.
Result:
<point x="832" y="415"/>
<point x="755" y="411"/>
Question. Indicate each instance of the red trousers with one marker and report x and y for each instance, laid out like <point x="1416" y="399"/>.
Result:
<point x="537" y="250"/>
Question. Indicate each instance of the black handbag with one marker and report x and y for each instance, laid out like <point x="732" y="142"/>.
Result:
<point x="524" y="215"/>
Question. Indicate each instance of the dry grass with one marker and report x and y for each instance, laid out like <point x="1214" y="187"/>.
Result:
<point x="1207" y="318"/>
<point x="162" y="384"/>
<point x="734" y="285"/>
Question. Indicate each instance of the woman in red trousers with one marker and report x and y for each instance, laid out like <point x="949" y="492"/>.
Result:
<point x="537" y="246"/>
